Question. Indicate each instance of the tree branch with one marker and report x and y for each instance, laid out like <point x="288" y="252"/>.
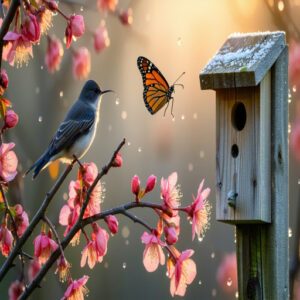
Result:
<point x="35" y="220"/>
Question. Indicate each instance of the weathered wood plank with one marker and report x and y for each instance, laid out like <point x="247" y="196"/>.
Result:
<point x="263" y="249"/>
<point x="243" y="60"/>
<point x="247" y="175"/>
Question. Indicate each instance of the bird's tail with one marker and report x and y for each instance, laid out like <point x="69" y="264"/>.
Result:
<point x="39" y="165"/>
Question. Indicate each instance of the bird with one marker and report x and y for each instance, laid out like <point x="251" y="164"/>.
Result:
<point x="76" y="133"/>
<point x="157" y="91"/>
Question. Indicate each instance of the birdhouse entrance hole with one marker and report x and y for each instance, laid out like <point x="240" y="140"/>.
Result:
<point x="238" y="116"/>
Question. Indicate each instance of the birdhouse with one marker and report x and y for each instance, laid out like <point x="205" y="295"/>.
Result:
<point x="241" y="75"/>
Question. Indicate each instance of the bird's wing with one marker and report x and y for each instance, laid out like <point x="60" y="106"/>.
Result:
<point x="70" y="130"/>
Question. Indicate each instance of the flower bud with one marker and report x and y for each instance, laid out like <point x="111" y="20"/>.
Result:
<point x="101" y="38"/>
<point x="31" y="28"/>
<point x="150" y="184"/>
<point x="77" y="25"/>
<point x="11" y="119"/>
<point x="126" y="17"/>
<point x="118" y="161"/>
<point x="81" y="63"/>
<point x="3" y="80"/>
<point x="54" y="54"/>
<point x="171" y="235"/>
<point x="135" y="185"/>
<point x="112" y="223"/>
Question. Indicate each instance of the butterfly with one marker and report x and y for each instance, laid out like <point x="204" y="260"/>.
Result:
<point x="157" y="91"/>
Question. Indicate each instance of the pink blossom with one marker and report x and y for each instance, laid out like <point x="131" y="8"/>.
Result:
<point x="96" y="249"/>
<point x="107" y="5"/>
<point x="150" y="184"/>
<point x="199" y="212"/>
<point x="74" y="28"/>
<point x="170" y="192"/>
<point x="171" y="235"/>
<point x="101" y="38"/>
<point x="18" y="49"/>
<point x="118" y="161"/>
<point x="81" y="63"/>
<point x="11" y="119"/>
<point x="126" y="17"/>
<point x="76" y="289"/>
<point x="15" y="290"/>
<point x="63" y="268"/>
<point x="153" y="254"/>
<point x="90" y="172"/>
<point x="3" y="81"/>
<point x="8" y="162"/>
<point x="295" y="139"/>
<point x="31" y="28"/>
<point x="182" y="271"/>
<point x="94" y="206"/>
<point x="6" y="240"/>
<point x="294" y="63"/>
<point x="44" y="246"/>
<point x="112" y="223"/>
<point x="227" y="273"/>
<point x="33" y="268"/>
<point x="135" y="185"/>
<point x="54" y="54"/>
<point x="21" y="220"/>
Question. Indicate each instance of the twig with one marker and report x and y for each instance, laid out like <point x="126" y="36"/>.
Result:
<point x="35" y="220"/>
<point x="135" y="219"/>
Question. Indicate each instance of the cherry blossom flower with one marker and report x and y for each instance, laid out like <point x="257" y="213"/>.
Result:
<point x="74" y="28"/>
<point x="112" y="223"/>
<point x="21" y="219"/>
<point x="11" y="119"/>
<point x="199" y="212"/>
<point x="294" y="63"/>
<point x="101" y="237"/>
<point x="90" y="172"/>
<point x="54" y="54"/>
<point x="101" y="38"/>
<point x="63" y="268"/>
<point x="44" y="246"/>
<point x="6" y="240"/>
<point x="150" y="184"/>
<point x="107" y="5"/>
<point x="8" y="162"/>
<point x="31" y="28"/>
<point x="15" y="290"/>
<point x="76" y="289"/>
<point x="18" y="48"/>
<point x="81" y="63"/>
<point x="33" y="268"/>
<point x="126" y="17"/>
<point x="171" y="235"/>
<point x="227" y="273"/>
<point x="170" y="192"/>
<point x="153" y="254"/>
<point x="182" y="271"/>
<point x="118" y="161"/>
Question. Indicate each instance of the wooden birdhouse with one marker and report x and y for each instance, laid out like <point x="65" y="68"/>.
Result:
<point x="241" y="75"/>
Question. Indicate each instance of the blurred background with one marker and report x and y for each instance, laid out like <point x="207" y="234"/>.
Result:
<point x="177" y="36"/>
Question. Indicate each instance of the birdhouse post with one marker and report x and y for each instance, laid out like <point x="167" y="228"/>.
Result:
<point x="249" y="75"/>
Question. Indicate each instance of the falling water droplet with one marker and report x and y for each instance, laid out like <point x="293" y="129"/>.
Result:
<point x="81" y="8"/>
<point x="124" y="115"/>
<point x="128" y="143"/>
<point x="236" y="295"/>
<point x="214" y="292"/>
<point x="125" y="232"/>
<point x="139" y="149"/>
<point x="294" y="89"/>
<point x="229" y="282"/>
<point x="190" y="167"/>
<point x="200" y="239"/>
<point x="195" y="116"/>
<point x="182" y="117"/>
<point x="213" y="255"/>
<point x="37" y="90"/>
<point x="199" y="282"/>
<point x="202" y="154"/>
<point x="280" y="5"/>
<point x="40" y="119"/>
<point x="124" y="265"/>
<point x="167" y="274"/>
<point x="117" y="101"/>
<point x="42" y="67"/>
<point x="106" y="265"/>
<point x="299" y="181"/>
<point x="126" y="242"/>
<point x="61" y="94"/>
<point x="290" y="232"/>
<point x="289" y="128"/>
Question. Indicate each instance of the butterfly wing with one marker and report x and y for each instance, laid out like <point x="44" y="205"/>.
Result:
<point x="156" y="86"/>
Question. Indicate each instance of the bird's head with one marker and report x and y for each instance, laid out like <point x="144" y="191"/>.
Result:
<point x="91" y="91"/>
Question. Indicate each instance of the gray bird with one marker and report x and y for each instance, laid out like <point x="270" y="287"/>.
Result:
<point x="76" y="133"/>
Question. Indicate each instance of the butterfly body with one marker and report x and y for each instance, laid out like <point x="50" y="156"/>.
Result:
<point x="157" y="91"/>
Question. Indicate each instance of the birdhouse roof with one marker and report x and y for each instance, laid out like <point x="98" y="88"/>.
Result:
<point x="243" y="60"/>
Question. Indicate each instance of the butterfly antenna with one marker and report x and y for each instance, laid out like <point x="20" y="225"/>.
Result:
<point x="179" y="78"/>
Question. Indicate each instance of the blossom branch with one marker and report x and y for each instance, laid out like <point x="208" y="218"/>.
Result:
<point x="35" y="220"/>
<point x="135" y="219"/>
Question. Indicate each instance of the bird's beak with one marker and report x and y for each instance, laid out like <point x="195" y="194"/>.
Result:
<point x="107" y="91"/>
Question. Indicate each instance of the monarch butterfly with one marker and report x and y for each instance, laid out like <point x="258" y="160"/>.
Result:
<point x="157" y="91"/>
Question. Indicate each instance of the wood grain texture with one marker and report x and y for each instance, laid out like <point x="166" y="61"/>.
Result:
<point x="243" y="60"/>
<point x="248" y="174"/>
<point x="262" y="250"/>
